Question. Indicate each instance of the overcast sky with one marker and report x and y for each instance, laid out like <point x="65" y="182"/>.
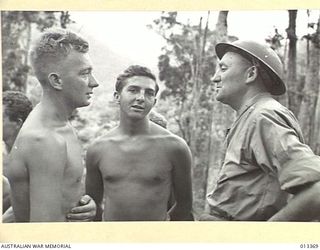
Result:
<point x="126" y="33"/>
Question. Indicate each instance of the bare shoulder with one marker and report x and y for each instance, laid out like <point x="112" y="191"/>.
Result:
<point x="40" y="141"/>
<point x="37" y="150"/>
<point x="172" y="141"/>
<point x="104" y="140"/>
<point x="176" y="147"/>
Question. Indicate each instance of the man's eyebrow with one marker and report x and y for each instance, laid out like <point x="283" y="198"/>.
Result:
<point x="86" y="69"/>
<point x="139" y="87"/>
<point x="133" y="86"/>
<point x="149" y="89"/>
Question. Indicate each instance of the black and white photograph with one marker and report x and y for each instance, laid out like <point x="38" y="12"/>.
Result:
<point x="160" y="116"/>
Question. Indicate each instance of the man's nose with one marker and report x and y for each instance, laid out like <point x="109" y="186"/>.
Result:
<point x="140" y="96"/>
<point x="93" y="82"/>
<point x="216" y="78"/>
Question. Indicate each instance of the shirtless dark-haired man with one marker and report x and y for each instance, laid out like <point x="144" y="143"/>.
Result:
<point x="135" y="166"/>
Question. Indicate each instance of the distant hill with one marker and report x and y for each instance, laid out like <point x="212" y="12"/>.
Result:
<point x="107" y="65"/>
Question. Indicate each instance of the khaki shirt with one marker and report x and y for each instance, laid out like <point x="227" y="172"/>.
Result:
<point x="265" y="160"/>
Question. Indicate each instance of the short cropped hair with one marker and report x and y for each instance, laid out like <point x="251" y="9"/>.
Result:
<point x="17" y="105"/>
<point x="52" y="47"/>
<point x="134" y="70"/>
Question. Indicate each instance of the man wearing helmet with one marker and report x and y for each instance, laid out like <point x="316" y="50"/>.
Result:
<point x="268" y="173"/>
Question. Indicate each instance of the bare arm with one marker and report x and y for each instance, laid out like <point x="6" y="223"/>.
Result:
<point x="94" y="182"/>
<point x="5" y="194"/>
<point x="181" y="181"/>
<point x="46" y="159"/>
<point x="304" y="206"/>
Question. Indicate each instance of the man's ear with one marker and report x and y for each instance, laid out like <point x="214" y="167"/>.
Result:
<point x="252" y="74"/>
<point x="55" y="81"/>
<point x="116" y="97"/>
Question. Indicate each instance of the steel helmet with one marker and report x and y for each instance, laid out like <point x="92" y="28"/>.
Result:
<point x="268" y="58"/>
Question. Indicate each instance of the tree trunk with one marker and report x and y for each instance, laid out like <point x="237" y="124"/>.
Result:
<point x="222" y="117"/>
<point x="25" y="73"/>
<point x="290" y="61"/>
<point x="200" y="123"/>
<point x="315" y="143"/>
<point x="291" y="74"/>
<point x="315" y="130"/>
<point x="308" y="113"/>
<point x="222" y="27"/>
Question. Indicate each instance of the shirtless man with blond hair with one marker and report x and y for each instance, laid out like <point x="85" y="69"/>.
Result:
<point x="134" y="167"/>
<point x="45" y="163"/>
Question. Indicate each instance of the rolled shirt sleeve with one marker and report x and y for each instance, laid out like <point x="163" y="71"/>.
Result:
<point x="265" y="161"/>
<point x="278" y="143"/>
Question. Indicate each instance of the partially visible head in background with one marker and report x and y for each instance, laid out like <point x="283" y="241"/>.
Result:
<point x="15" y="109"/>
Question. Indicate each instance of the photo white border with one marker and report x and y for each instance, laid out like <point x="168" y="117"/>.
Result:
<point x="155" y="232"/>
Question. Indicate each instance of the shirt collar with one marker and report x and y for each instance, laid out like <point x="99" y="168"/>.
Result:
<point x="251" y="101"/>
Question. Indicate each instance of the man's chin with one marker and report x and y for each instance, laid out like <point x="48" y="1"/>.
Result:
<point x="137" y="115"/>
<point x="85" y="104"/>
<point x="219" y="97"/>
<point x="222" y="99"/>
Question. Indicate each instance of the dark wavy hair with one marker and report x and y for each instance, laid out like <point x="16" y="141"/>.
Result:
<point x="17" y="105"/>
<point x="134" y="70"/>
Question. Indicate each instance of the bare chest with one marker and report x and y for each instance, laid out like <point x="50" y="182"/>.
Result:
<point x="145" y="162"/>
<point x="75" y="163"/>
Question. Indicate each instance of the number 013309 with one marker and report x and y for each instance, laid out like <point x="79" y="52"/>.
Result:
<point x="305" y="245"/>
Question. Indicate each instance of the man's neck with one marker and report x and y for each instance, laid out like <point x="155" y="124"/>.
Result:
<point x="134" y="127"/>
<point x="55" y="109"/>
<point x="247" y="96"/>
<point x="251" y="100"/>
